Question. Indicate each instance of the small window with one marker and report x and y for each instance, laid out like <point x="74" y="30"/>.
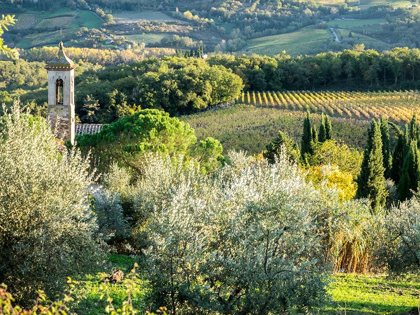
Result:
<point x="59" y="92"/>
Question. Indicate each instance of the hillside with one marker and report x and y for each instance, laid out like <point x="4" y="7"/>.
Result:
<point x="261" y="27"/>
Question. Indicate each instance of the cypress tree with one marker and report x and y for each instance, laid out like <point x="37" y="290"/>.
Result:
<point x="306" y="145"/>
<point x="274" y="148"/>
<point x="371" y="180"/>
<point x="398" y="159"/>
<point x="322" y="136"/>
<point x="314" y="135"/>
<point x="414" y="129"/>
<point x="410" y="174"/>
<point x="386" y="152"/>
<point x="328" y="128"/>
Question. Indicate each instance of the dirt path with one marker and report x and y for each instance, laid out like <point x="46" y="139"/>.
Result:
<point x="334" y="34"/>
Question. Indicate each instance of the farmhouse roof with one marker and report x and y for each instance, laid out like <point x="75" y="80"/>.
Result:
<point x="61" y="62"/>
<point x="88" y="128"/>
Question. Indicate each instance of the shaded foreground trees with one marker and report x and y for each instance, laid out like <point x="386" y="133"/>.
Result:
<point x="48" y="231"/>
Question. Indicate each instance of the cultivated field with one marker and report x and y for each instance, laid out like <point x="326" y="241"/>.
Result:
<point x="303" y="41"/>
<point x="395" y="106"/>
<point x="134" y="16"/>
<point x="355" y="23"/>
<point x="261" y="124"/>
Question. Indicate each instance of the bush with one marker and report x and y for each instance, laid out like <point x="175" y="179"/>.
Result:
<point x="398" y="242"/>
<point x="48" y="231"/>
<point x="243" y="241"/>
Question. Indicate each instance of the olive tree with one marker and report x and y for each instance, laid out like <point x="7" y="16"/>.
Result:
<point x="398" y="239"/>
<point x="242" y="241"/>
<point x="47" y="229"/>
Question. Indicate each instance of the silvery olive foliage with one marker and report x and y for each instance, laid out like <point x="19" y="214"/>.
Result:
<point x="111" y="221"/>
<point x="47" y="229"/>
<point x="398" y="239"/>
<point x="243" y="241"/>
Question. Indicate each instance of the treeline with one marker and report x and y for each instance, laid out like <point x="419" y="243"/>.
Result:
<point x="355" y="69"/>
<point x="176" y="85"/>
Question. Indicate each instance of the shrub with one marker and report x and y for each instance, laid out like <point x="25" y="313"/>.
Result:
<point x="48" y="231"/>
<point x="398" y="242"/>
<point x="243" y="241"/>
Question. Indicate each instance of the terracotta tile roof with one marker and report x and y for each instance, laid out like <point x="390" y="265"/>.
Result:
<point x="88" y="128"/>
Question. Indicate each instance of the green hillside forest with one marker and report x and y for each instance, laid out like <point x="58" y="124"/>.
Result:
<point x="255" y="157"/>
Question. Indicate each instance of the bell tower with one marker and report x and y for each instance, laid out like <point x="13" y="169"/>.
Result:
<point x="61" y="108"/>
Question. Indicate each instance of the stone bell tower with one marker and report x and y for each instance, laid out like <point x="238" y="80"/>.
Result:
<point x="61" y="110"/>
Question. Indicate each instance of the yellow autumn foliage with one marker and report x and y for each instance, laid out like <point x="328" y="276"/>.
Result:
<point x="334" y="177"/>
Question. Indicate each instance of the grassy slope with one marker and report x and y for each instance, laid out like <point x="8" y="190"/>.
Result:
<point x="147" y="38"/>
<point x="358" y="294"/>
<point x="249" y="128"/>
<point x="303" y="41"/>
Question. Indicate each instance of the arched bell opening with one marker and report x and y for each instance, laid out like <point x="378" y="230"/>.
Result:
<point x="59" y="92"/>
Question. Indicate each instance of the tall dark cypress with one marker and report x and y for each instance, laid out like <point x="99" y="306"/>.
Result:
<point x="328" y="128"/>
<point x="314" y="135"/>
<point x="306" y="145"/>
<point x="398" y="159"/>
<point x="322" y="136"/>
<point x="414" y="128"/>
<point x="371" y="180"/>
<point x="386" y="152"/>
<point x="410" y="174"/>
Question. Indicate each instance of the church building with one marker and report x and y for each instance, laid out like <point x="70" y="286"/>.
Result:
<point x="61" y="105"/>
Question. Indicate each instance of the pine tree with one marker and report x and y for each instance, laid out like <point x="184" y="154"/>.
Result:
<point x="322" y="136"/>
<point x="371" y="181"/>
<point x="306" y="145"/>
<point x="410" y="174"/>
<point x="274" y="148"/>
<point x="386" y="152"/>
<point x="328" y="128"/>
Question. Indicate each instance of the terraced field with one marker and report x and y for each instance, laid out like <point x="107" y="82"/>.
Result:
<point x="395" y="106"/>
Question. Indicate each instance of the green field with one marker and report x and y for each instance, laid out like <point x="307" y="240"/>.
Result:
<point x="147" y="38"/>
<point x="361" y="39"/>
<point x="355" y="23"/>
<point x="364" y="4"/>
<point x="65" y="19"/>
<point x="86" y="19"/>
<point x="56" y="22"/>
<point x="303" y="41"/>
<point x="134" y="16"/>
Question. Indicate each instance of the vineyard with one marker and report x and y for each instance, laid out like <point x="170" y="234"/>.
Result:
<point x="395" y="106"/>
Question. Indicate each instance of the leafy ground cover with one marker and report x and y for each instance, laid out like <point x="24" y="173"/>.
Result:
<point x="303" y="41"/>
<point x="89" y="297"/>
<point x="235" y="126"/>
